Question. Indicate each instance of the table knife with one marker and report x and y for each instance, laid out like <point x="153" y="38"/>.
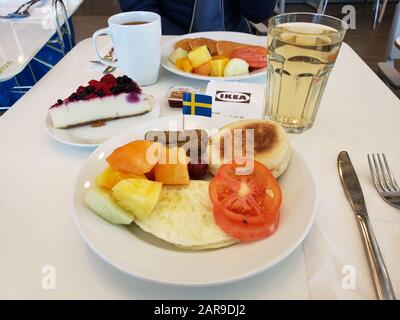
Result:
<point x="353" y="191"/>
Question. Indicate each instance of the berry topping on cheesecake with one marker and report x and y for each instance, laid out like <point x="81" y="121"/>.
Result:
<point x="107" y="99"/>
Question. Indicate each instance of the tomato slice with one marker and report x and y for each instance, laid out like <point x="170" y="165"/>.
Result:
<point x="248" y="198"/>
<point x="245" y="231"/>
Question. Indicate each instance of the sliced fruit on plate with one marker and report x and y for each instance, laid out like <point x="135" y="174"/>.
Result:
<point x="137" y="157"/>
<point x="256" y="57"/>
<point x="236" y="67"/>
<point x="102" y="203"/>
<point x="109" y="178"/>
<point x="184" y="64"/>
<point x="139" y="196"/>
<point x="244" y="200"/>
<point x="217" y="66"/>
<point x="203" y="69"/>
<point x="199" y="56"/>
<point x="177" y="54"/>
<point x="172" y="167"/>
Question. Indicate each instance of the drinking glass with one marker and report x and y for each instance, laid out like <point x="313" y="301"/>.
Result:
<point x="302" y="50"/>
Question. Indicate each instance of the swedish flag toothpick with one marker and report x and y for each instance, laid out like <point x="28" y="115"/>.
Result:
<point x="196" y="104"/>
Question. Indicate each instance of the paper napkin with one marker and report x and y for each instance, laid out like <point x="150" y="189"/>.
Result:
<point x="238" y="100"/>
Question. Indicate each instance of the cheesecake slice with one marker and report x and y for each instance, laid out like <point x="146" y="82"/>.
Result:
<point x="107" y="99"/>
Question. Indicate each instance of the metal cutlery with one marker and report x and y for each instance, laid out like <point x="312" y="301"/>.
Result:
<point x="22" y="11"/>
<point x="353" y="191"/>
<point x="384" y="180"/>
<point x="108" y="56"/>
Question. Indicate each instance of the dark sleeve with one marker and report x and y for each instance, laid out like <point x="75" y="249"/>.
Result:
<point x="257" y="10"/>
<point x="139" y="5"/>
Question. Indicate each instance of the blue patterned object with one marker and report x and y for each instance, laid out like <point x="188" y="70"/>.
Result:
<point x="25" y="78"/>
<point x="197" y="104"/>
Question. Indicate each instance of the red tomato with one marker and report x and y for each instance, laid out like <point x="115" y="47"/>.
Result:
<point x="244" y="231"/>
<point x="256" y="57"/>
<point x="246" y="197"/>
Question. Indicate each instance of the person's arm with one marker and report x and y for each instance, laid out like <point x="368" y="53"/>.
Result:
<point x="257" y="11"/>
<point x="140" y="5"/>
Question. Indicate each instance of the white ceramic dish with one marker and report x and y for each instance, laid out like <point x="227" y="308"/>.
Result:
<point x="88" y="136"/>
<point x="142" y="255"/>
<point x="168" y="47"/>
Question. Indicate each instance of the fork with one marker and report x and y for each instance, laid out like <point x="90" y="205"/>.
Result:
<point x="108" y="56"/>
<point x="22" y="11"/>
<point x="384" y="180"/>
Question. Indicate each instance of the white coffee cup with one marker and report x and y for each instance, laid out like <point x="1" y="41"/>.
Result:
<point x="137" y="46"/>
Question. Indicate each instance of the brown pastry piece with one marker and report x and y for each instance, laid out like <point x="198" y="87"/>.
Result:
<point x="183" y="44"/>
<point x="198" y="42"/>
<point x="225" y="48"/>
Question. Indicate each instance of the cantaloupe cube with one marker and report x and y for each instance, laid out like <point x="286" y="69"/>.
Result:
<point x="172" y="167"/>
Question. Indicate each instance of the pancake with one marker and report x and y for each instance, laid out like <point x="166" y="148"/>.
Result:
<point x="198" y="42"/>
<point x="271" y="145"/>
<point x="183" y="216"/>
<point x="225" y="48"/>
<point x="183" y="44"/>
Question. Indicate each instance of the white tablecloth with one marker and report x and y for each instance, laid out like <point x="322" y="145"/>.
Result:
<point x="358" y="114"/>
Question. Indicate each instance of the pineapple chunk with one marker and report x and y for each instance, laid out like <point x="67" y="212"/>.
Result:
<point x="236" y="67"/>
<point x="139" y="196"/>
<point x="218" y="66"/>
<point x="104" y="205"/>
<point x="199" y="56"/>
<point x="184" y="64"/>
<point x="177" y="54"/>
<point x="109" y="178"/>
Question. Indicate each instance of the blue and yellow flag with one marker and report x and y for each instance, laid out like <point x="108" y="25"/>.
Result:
<point x="197" y="104"/>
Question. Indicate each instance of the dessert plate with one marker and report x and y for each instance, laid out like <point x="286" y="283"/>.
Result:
<point x="89" y="136"/>
<point x="140" y="254"/>
<point x="247" y="38"/>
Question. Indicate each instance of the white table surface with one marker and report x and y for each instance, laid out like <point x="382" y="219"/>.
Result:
<point x="21" y="39"/>
<point x="358" y="114"/>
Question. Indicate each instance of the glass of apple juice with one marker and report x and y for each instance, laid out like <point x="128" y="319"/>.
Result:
<point x="302" y="50"/>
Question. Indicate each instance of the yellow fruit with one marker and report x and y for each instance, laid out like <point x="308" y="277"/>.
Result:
<point x="199" y="56"/>
<point x="109" y="178"/>
<point x="177" y="54"/>
<point x="184" y="64"/>
<point x="218" y="66"/>
<point x="138" y="196"/>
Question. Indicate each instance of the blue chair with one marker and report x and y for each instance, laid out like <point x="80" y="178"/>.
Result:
<point x="49" y="55"/>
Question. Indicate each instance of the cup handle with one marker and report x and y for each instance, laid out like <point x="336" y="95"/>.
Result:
<point x="101" y="32"/>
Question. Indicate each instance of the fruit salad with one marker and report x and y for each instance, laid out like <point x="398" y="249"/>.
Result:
<point x="208" y="57"/>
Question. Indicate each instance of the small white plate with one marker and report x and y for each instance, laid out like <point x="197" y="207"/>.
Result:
<point x="142" y="255"/>
<point x="247" y="38"/>
<point x="88" y="136"/>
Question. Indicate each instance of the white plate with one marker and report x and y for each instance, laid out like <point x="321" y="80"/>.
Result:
<point x="88" y="136"/>
<point x="142" y="255"/>
<point x="247" y="38"/>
